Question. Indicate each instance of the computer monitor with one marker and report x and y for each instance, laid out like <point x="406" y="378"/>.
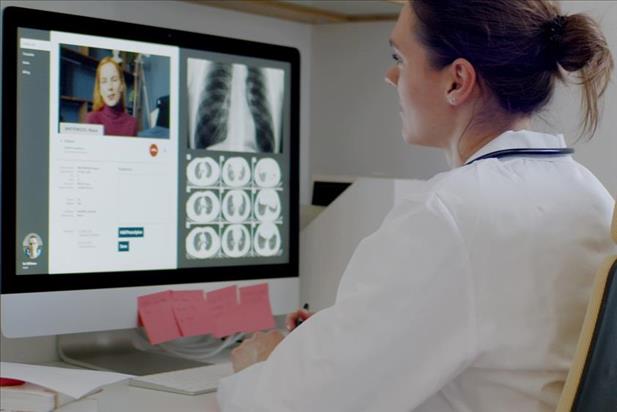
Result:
<point x="137" y="159"/>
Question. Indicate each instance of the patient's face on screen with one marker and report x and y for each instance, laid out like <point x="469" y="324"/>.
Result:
<point x="110" y="84"/>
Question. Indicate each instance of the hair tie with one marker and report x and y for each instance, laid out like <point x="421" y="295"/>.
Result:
<point x="553" y="31"/>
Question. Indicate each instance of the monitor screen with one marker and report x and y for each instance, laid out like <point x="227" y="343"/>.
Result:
<point x="135" y="155"/>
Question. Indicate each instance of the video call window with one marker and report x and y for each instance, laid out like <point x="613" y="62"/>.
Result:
<point x="114" y="92"/>
<point x="234" y="107"/>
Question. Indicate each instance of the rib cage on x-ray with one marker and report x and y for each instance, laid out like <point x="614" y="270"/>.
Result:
<point x="239" y="107"/>
<point x="213" y="110"/>
<point x="258" y="104"/>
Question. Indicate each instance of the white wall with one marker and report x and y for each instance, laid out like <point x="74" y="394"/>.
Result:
<point x="355" y="126"/>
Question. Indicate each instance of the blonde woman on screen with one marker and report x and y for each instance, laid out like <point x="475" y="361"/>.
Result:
<point x="108" y="106"/>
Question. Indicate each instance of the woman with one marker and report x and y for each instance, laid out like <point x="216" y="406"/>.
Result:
<point x="108" y="106"/>
<point x="471" y="294"/>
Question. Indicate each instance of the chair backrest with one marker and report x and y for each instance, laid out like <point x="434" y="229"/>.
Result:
<point x="592" y="381"/>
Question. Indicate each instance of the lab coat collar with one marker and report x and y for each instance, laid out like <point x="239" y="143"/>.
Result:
<point x="520" y="139"/>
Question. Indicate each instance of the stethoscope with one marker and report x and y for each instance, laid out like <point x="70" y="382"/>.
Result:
<point x="557" y="151"/>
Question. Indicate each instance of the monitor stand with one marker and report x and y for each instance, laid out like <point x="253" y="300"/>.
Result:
<point x="117" y="351"/>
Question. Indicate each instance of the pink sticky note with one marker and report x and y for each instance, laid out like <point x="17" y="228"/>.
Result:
<point x="156" y="314"/>
<point x="190" y="312"/>
<point x="222" y="305"/>
<point x="255" y="308"/>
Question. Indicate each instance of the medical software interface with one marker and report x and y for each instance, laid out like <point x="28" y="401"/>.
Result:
<point x="138" y="156"/>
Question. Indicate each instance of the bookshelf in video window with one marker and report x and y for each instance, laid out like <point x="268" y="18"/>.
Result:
<point x="77" y="72"/>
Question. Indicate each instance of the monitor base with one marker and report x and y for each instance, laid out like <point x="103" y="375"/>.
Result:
<point x="116" y="351"/>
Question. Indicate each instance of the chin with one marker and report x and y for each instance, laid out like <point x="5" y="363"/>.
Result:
<point x="419" y="139"/>
<point x="412" y="138"/>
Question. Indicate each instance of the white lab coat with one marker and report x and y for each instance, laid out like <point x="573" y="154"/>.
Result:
<point x="469" y="297"/>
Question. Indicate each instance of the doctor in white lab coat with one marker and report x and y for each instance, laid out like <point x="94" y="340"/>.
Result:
<point x="471" y="294"/>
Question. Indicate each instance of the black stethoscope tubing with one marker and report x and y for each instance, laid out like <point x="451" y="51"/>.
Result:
<point x="560" y="151"/>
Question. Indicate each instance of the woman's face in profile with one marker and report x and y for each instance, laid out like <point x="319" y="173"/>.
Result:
<point x="110" y="84"/>
<point x="421" y="88"/>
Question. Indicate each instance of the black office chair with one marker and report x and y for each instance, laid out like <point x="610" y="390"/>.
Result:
<point x="592" y="380"/>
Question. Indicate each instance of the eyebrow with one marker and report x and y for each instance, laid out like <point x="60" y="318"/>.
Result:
<point x="393" y="44"/>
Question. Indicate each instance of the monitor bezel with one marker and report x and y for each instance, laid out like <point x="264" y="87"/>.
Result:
<point x="17" y="17"/>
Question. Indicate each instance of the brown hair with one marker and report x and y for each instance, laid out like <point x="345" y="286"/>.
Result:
<point x="518" y="48"/>
<point x="97" y="99"/>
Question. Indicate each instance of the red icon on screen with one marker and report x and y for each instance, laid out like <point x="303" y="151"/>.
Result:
<point x="154" y="150"/>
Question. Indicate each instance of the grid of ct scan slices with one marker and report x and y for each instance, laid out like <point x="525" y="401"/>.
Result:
<point x="233" y="207"/>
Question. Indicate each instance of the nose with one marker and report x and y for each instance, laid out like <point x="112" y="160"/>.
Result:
<point x="392" y="76"/>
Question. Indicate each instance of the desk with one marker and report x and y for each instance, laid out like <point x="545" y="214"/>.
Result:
<point x="120" y="397"/>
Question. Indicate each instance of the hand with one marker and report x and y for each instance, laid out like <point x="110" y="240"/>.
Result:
<point x="255" y="349"/>
<point x="292" y="318"/>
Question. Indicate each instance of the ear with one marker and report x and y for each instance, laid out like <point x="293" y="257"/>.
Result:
<point x="461" y="81"/>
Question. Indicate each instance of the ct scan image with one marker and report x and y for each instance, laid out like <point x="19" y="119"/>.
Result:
<point x="236" y="241"/>
<point x="202" y="243"/>
<point x="267" y="240"/>
<point x="236" y="206"/>
<point x="236" y="172"/>
<point x="203" y="171"/>
<point x="267" y="173"/>
<point x="267" y="205"/>
<point x="203" y="206"/>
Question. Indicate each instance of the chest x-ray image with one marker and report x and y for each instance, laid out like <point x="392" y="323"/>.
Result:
<point x="234" y="107"/>
<point x="236" y="241"/>
<point x="203" y="207"/>
<point x="202" y="243"/>
<point x="203" y="171"/>
<point x="267" y="173"/>
<point x="267" y="205"/>
<point x="236" y="172"/>
<point x="267" y="240"/>
<point x="236" y="206"/>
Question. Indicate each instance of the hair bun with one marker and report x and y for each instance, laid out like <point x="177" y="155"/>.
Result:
<point x="580" y="44"/>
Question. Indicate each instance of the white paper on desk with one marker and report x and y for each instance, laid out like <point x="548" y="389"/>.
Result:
<point x="73" y="382"/>
<point x="82" y="405"/>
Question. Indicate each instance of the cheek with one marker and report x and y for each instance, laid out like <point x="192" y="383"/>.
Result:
<point x="418" y="110"/>
<point x="411" y="94"/>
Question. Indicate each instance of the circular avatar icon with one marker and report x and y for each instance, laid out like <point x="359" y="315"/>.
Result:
<point x="267" y="173"/>
<point x="267" y="205"/>
<point x="203" y="207"/>
<point x="236" y="172"/>
<point x="236" y="206"/>
<point x="267" y="240"/>
<point x="32" y="245"/>
<point x="154" y="150"/>
<point x="202" y="243"/>
<point x="236" y="241"/>
<point x="203" y="171"/>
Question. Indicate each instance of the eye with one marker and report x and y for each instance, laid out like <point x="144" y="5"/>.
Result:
<point x="397" y="59"/>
